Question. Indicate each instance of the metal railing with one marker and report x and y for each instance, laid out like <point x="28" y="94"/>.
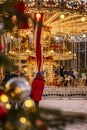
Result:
<point x="65" y="92"/>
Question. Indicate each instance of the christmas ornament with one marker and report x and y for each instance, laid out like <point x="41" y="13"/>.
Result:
<point x="17" y="89"/>
<point x="1" y="47"/>
<point x="3" y="112"/>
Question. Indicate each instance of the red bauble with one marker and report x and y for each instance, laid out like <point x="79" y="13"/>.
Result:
<point x="1" y="47"/>
<point x="3" y="112"/>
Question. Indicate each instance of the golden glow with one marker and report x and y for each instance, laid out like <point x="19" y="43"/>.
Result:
<point x="83" y="19"/>
<point x="8" y="106"/>
<point x="38" y="15"/>
<point x="18" y="90"/>
<point x="11" y="37"/>
<point x="62" y="16"/>
<point x="75" y="54"/>
<point x="4" y="98"/>
<point x="51" y="51"/>
<point x="13" y="94"/>
<point x="9" y="51"/>
<point x="29" y="103"/>
<point x="14" y="18"/>
<point x="27" y="51"/>
<point x="84" y="35"/>
<point x="70" y="52"/>
<point x="23" y="120"/>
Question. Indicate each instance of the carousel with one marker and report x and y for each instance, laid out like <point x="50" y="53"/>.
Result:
<point x="55" y="36"/>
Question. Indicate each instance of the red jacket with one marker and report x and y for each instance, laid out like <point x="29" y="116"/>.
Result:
<point x="37" y="88"/>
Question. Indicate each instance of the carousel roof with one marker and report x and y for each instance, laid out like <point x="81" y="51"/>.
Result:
<point x="63" y="16"/>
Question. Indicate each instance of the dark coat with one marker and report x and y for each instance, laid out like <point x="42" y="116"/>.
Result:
<point x="37" y="88"/>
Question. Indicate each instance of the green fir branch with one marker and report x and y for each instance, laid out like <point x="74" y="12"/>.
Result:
<point x="6" y="63"/>
<point x="48" y="118"/>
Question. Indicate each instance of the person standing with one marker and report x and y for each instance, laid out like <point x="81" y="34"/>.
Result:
<point x="37" y="88"/>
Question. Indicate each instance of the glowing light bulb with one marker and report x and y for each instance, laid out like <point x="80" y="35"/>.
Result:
<point x="4" y="98"/>
<point x="70" y="52"/>
<point x="83" y="19"/>
<point x="8" y="106"/>
<point x="29" y="103"/>
<point x="23" y="120"/>
<point x="62" y="16"/>
<point x="27" y="51"/>
<point x="38" y="15"/>
<point x="84" y="35"/>
<point x="74" y="54"/>
<point x="51" y="51"/>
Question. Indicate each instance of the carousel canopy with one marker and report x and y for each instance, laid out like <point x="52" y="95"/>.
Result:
<point x="62" y="16"/>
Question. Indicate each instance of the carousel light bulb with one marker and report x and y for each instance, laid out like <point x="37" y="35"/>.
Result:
<point x="57" y="38"/>
<point x="74" y="54"/>
<point x="62" y="16"/>
<point x="11" y="37"/>
<point x="27" y="51"/>
<point x="70" y="52"/>
<point x="23" y="120"/>
<point x="51" y="51"/>
<point x="84" y="35"/>
<point x="4" y="98"/>
<point x="9" y="51"/>
<point x="38" y="15"/>
<point x="83" y="19"/>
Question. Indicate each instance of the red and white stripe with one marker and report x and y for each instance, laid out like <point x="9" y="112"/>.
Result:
<point x="37" y="38"/>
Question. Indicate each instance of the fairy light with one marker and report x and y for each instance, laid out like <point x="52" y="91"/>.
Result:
<point x="23" y="120"/>
<point x="29" y="103"/>
<point x="4" y="98"/>
<point x="8" y="106"/>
